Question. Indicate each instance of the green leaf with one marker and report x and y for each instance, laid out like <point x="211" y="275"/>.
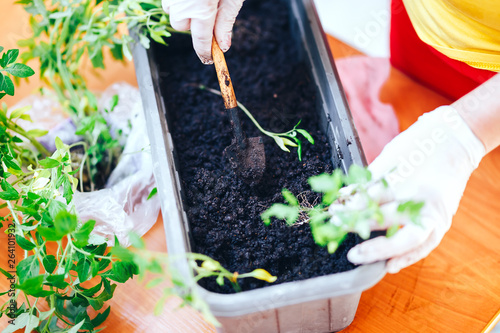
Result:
<point x="282" y="212"/>
<point x="59" y="144"/>
<point x="358" y="175"/>
<point x="33" y="287"/>
<point x="81" y="236"/>
<point x="65" y="223"/>
<point x="9" y="192"/>
<point x="46" y="314"/>
<point x="57" y="15"/>
<point x="28" y="268"/>
<point x="220" y="280"/>
<point x="332" y="246"/>
<point x="94" y="268"/>
<point x="20" y="322"/>
<point x="86" y="125"/>
<point x="10" y="57"/>
<point x="152" y="193"/>
<point x="289" y="197"/>
<point x="67" y="190"/>
<point x="136" y="241"/>
<point x="98" y="302"/>
<point x="325" y="183"/>
<point x="114" y="102"/>
<point x="126" y="50"/>
<point x="306" y="135"/>
<point x="19" y="112"/>
<point x="121" y="271"/>
<point x="11" y="163"/>
<point x="56" y="281"/>
<point x="98" y="60"/>
<point x="324" y="233"/>
<point x="49" y="163"/>
<point x="155" y="282"/>
<point x="8" y="86"/>
<point x="35" y="133"/>
<point x="288" y="142"/>
<point x="49" y="263"/>
<point x="1" y="48"/>
<point x="55" y="207"/>
<point x="83" y="269"/>
<point x="4" y="272"/>
<point x="280" y="143"/>
<point x="24" y="243"/>
<point x="362" y="228"/>
<point x="20" y="70"/>
<point x="391" y="231"/>
<point x="105" y="8"/>
<point x="101" y="317"/>
<point x="122" y="253"/>
<point x="76" y="328"/>
<point x="412" y="209"/>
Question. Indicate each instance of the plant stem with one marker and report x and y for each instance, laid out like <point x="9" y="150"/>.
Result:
<point x="19" y="130"/>
<point x="245" y="110"/>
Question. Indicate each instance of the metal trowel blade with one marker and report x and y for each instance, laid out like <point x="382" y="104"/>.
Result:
<point x="248" y="162"/>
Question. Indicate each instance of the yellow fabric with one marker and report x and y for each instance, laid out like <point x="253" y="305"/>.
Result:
<point x="465" y="30"/>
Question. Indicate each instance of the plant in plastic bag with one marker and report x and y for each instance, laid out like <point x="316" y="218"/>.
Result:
<point x="65" y="35"/>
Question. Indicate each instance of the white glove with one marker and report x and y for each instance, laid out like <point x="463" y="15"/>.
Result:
<point x="205" y="18"/>
<point x="431" y="161"/>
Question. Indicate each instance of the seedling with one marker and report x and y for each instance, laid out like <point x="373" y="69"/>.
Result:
<point x="290" y="138"/>
<point x="330" y="230"/>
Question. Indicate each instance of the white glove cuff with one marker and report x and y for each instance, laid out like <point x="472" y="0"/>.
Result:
<point x="456" y="127"/>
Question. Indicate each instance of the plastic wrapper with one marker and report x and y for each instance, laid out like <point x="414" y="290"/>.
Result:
<point x="122" y="205"/>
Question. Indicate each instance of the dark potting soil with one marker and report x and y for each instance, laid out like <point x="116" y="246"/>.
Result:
<point x="224" y="212"/>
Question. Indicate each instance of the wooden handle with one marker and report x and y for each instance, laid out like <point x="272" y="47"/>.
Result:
<point x="226" y="86"/>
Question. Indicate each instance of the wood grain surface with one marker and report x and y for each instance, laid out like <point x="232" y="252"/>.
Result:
<point x="455" y="289"/>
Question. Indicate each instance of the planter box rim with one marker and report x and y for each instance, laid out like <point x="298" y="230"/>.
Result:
<point x="294" y="292"/>
<point x="347" y="148"/>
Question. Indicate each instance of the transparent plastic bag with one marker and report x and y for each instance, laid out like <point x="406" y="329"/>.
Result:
<point x="123" y="205"/>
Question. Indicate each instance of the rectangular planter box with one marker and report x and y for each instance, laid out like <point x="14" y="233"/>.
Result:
<point x="321" y="304"/>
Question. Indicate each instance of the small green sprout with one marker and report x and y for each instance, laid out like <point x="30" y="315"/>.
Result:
<point x="283" y="140"/>
<point x="330" y="230"/>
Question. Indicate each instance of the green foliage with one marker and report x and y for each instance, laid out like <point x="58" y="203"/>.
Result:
<point x="330" y="230"/>
<point x="38" y="190"/>
<point x="55" y="276"/>
<point x="10" y="68"/>
<point x="67" y="33"/>
<point x="283" y="140"/>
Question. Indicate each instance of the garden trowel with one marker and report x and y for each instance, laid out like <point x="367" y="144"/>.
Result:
<point x="246" y="155"/>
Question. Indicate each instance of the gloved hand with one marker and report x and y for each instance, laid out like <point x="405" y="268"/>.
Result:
<point x="431" y="161"/>
<point x="204" y="18"/>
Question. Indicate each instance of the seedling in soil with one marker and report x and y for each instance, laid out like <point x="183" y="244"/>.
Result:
<point x="290" y="138"/>
<point x="330" y="230"/>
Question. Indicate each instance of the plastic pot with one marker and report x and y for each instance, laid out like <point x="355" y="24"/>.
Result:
<point x="322" y="304"/>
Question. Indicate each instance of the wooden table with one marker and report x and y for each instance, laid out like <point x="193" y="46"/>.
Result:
<point x="455" y="289"/>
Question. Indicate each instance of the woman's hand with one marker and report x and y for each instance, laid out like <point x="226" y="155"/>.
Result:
<point x="205" y="18"/>
<point x="431" y="162"/>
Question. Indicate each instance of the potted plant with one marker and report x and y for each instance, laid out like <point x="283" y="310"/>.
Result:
<point x="283" y="71"/>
